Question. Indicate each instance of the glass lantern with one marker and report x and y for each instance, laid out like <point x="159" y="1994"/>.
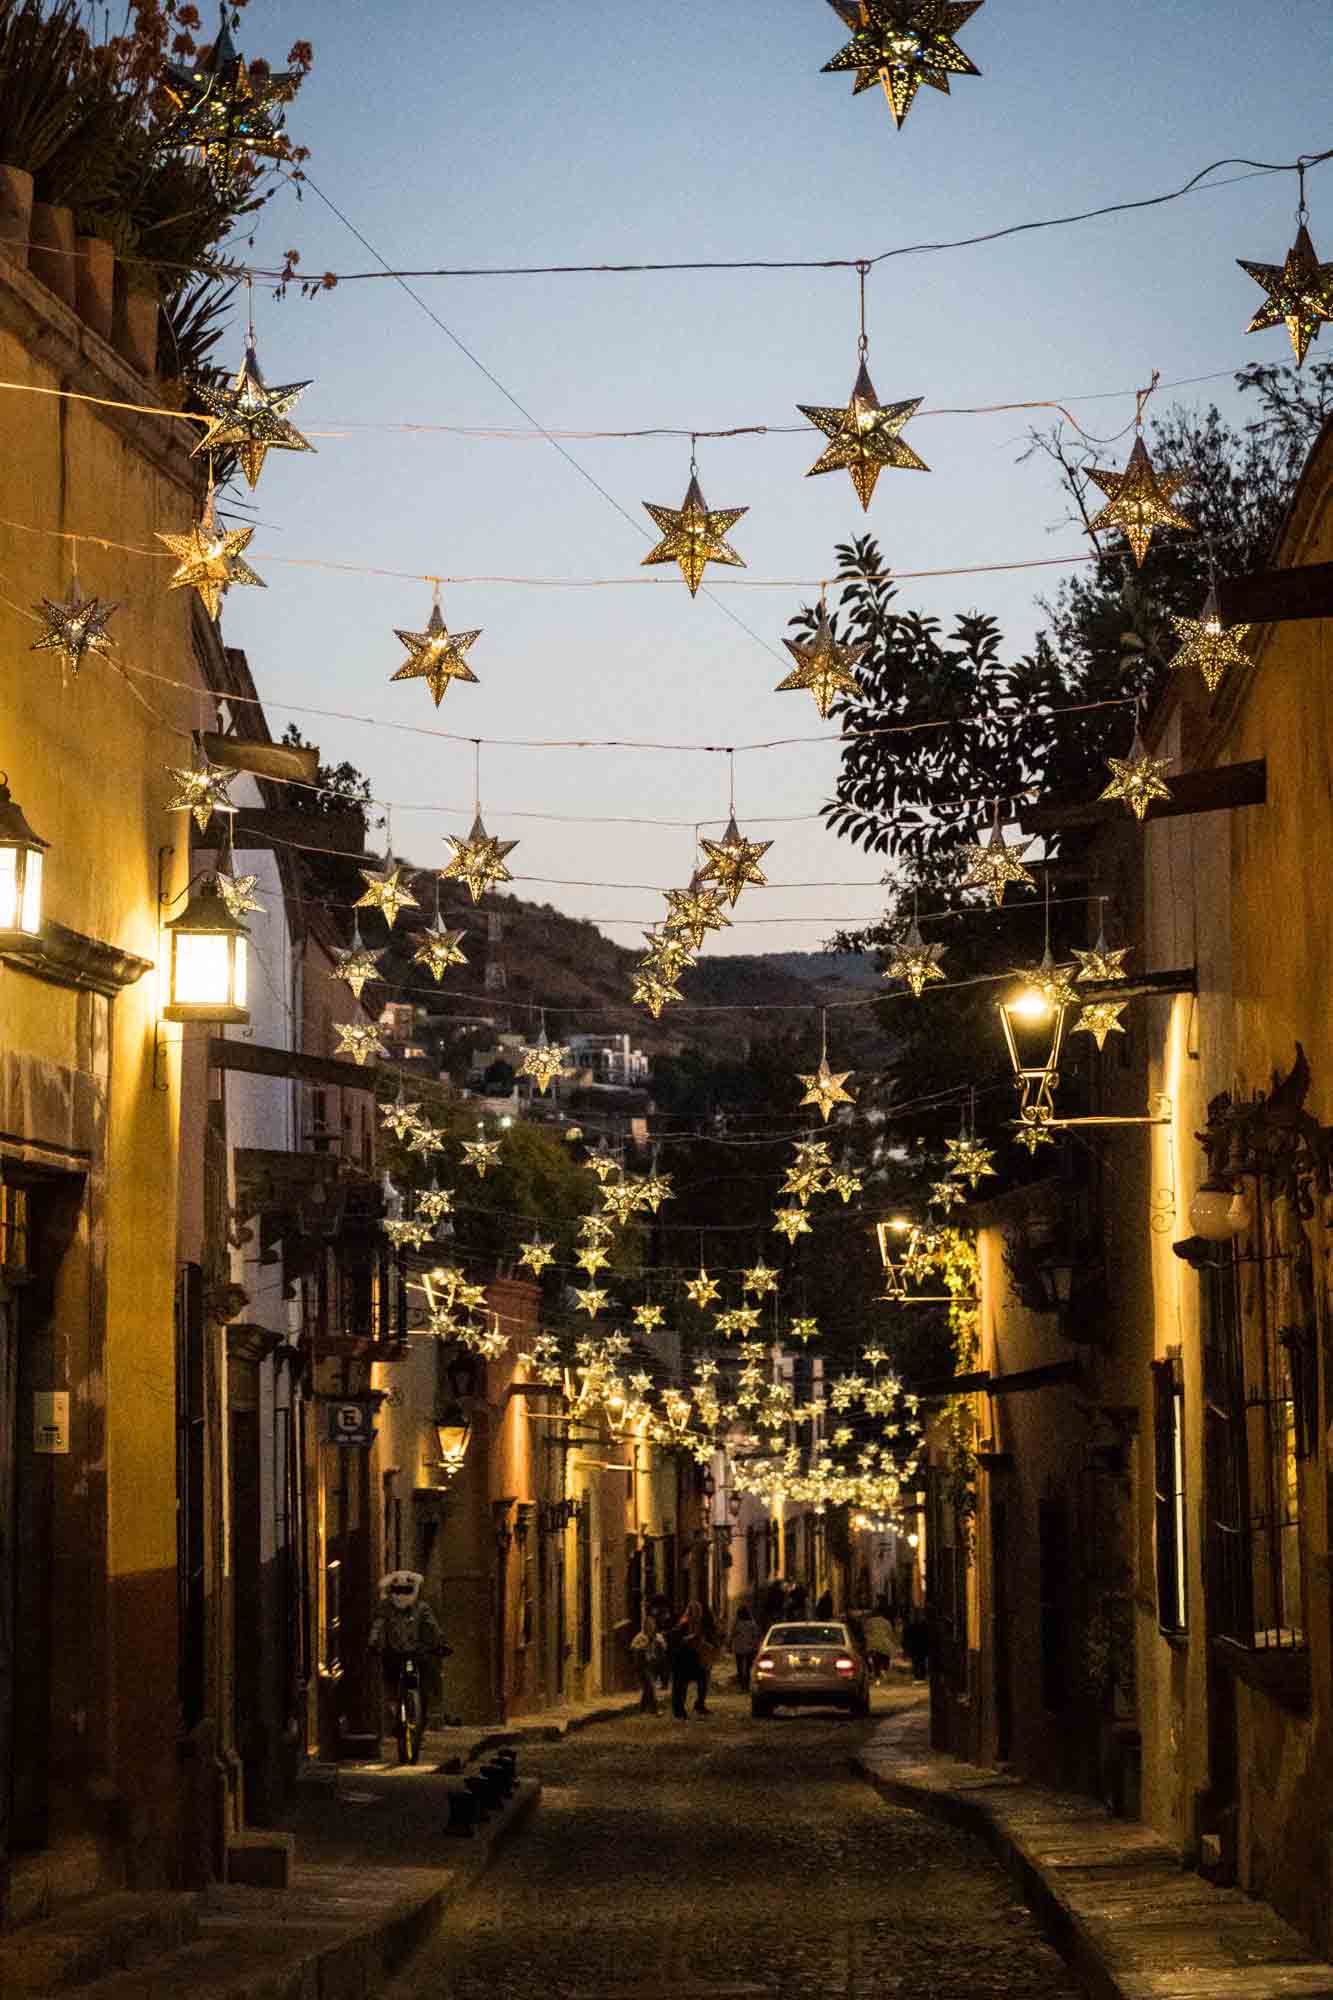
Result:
<point x="21" y="852"/>
<point x="208" y="961"/>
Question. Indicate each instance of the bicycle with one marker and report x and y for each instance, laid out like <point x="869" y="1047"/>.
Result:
<point x="408" y="1710"/>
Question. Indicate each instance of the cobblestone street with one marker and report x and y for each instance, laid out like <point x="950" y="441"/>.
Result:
<point x="722" y="1854"/>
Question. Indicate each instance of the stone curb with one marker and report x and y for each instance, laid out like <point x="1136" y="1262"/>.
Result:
<point x="538" y="1730"/>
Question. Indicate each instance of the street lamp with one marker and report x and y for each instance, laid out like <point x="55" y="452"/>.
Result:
<point x="453" y="1428"/>
<point x="21" y="852"/>
<point x="1034" y="1029"/>
<point x="207" y="981"/>
<point x="1219" y="1211"/>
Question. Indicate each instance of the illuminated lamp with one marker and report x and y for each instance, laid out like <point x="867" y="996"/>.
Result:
<point x="21" y="852"/>
<point x="208" y="951"/>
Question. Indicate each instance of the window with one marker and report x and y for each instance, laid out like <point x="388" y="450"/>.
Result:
<point x="13" y="1232"/>
<point x="1169" y="1494"/>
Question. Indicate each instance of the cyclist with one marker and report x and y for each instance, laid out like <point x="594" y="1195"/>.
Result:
<point x="405" y="1627"/>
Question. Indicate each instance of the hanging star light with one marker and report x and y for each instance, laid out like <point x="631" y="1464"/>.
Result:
<point x="1101" y="963"/>
<point x="803" y="1181"/>
<point x="746" y="1318"/>
<point x="544" y="1061"/>
<point x="435" y="1202"/>
<point x="1137" y="779"/>
<point x="359" y="1040"/>
<point x="696" y="911"/>
<point x="400" y="1117"/>
<point x="481" y="1154"/>
<point x="591" y="1300"/>
<point x="210" y="559"/>
<point x="946" y="1194"/>
<point x="596" y="1229"/>
<point x="436" y="655"/>
<point x="994" y="866"/>
<point x="668" y="955"/>
<point x="1208" y="644"/>
<point x="75" y="628"/>
<point x="811" y="1153"/>
<point x="791" y="1223"/>
<point x="913" y="960"/>
<point x="653" y="993"/>
<point x="1032" y="1133"/>
<point x="1101" y="1018"/>
<point x="901" y="44"/>
<point x="1300" y="293"/>
<point x="655" y="1188"/>
<point x="760" y="1280"/>
<point x="1051" y="981"/>
<point x="733" y="861"/>
<point x="968" y="1161"/>
<point x="384" y="891"/>
<point x="648" y="1317"/>
<point x="703" y="1289"/>
<point x="845" y="1185"/>
<point x="250" y="419"/>
<point x="804" y="1329"/>
<point x="620" y="1199"/>
<point x="356" y="966"/>
<point x="437" y="949"/>
<point x="201" y="791"/>
<point x="238" y="893"/>
<point x="692" y="535"/>
<point x="602" y="1162"/>
<point x="1138" y="501"/>
<point x="863" y="436"/>
<point x="479" y="860"/>
<point x="424" y="1139"/>
<point x="823" y="667"/>
<point x="226" y="111"/>
<point x="592" y="1259"/>
<point x="536" y="1255"/>
<point x="825" y="1088"/>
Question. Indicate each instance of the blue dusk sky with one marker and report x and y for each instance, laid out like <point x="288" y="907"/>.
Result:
<point x="580" y="131"/>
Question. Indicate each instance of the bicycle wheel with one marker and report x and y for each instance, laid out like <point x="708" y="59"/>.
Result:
<point x="409" y="1726"/>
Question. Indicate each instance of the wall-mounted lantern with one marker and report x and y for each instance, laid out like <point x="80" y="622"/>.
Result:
<point x="1034" y="1030"/>
<point x="208" y="960"/>
<point x="453" y="1429"/>
<point x="21" y="852"/>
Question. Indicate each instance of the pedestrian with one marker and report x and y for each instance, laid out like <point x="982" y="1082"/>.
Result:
<point x="649" y="1650"/>
<point x="824" y="1608"/>
<point x="796" y="1601"/>
<point x="878" y="1638"/>
<point x="745" y="1636"/>
<point x="916" y="1642"/>
<point x="693" y="1651"/>
<point x="775" y="1603"/>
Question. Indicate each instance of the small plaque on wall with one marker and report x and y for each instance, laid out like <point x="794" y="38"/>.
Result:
<point x="50" y="1421"/>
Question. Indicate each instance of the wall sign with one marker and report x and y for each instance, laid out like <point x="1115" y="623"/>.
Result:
<point x="350" y="1423"/>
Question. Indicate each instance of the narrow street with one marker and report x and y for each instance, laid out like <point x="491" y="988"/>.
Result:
<point x="721" y="1856"/>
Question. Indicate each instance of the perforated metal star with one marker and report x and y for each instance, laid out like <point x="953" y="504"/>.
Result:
<point x="400" y="1117"/>
<point x="201" y="791"/>
<point x="1101" y="963"/>
<point x="210" y="560"/>
<point x="1209" y="645"/>
<point x="825" y="1089"/>
<point x="946" y="1195"/>
<point x="479" y="860"/>
<point x="845" y="1185"/>
<point x="437" y="949"/>
<point x="591" y="1300"/>
<point x="423" y="1139"/>
<point x="592" y="1259"/>
<point x="359" y="1040"/>
<point x="250" y="419"/>
<point x="238" y="893"/>
<point x="803" y="1329"/>
<point x="653" y="992"/>
<point x="914" y="961"/>
<point x="436" y="655"/>
<point x="694" y="535"/>
<point x="648" y="1317"/>
<point x="74" y="629"/>
<point x="968" y="1161"/>
<point x="996" y="865"/>
<point x="356" y="966"/>
<point x="385" y="891"/>
<point x="695" y="911"/>
<point x="1137" y="779"/>
<point x="543" y="1062"/>
<point x="901" y="44"/>
<point x="1053" y="982"/>
<point x="668" y="954"/>
<point x="227" y="111"/>
<point x="702" y="1290"/>
<point x="1300" y="293"/>
<point x="823" y="666"/>
<point x="435" y="1202"/>
<point x="1032" y="1133"/>
<point x="733" y="861"/>
<point x="595" y="1229"/>
<point x="863" y="436"/>
<point x="1138" y="501"/>
<point x="811" y="1152"/>
<point x="536" y="1255"/>
<point x="620" y="1199"/>
<point x="602" y="1162"/>
<point x="1101" y="1018"/>
<point x="803" y="1180"/>
<point x="791" y="1223"/>
<point x="654" y="1189"/>
<point x="760" y="1280"/>
<point x="481" y="1155"/>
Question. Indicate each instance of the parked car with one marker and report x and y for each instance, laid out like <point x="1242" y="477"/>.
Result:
<point x="810" y="1664"/>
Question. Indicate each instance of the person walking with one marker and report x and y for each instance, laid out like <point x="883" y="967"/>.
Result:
<point x="877" y="1636"/>
<point x="745" y="1636"/>
<point x="694" y="1647"/>
<point x="824" y="1608"/>
<point x="649" y="1649"/>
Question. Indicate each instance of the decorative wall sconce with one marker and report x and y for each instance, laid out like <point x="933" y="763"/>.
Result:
<point x="207" y="978"/>
<point x="21" y="853"/>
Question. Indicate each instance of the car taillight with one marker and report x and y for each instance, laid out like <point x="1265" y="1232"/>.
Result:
<point x="764" y="1662"/>
<point x="845" y="1666"/>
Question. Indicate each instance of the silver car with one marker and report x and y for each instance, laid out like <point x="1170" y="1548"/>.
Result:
<point x="812" y="1663"/>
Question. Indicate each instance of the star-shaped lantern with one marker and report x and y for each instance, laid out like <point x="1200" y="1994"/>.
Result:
<point x="201" y="791"/>
<point x="479" y="860"/>
<point x="424" y="1139"/>
<point x="544" y="1061"/>
<point x="385" y="891"/>
<point x="210" y="559"/>
<point x="791" y="1223"/>
<point x="668" y="955"/>
<point x="435" y="1202"/>
<point x="648" y="1317"/>
<point x="702" y="1290"/>
<point x="733" y="861"/>
<point x="359" y="1040"/>
<point x="1032" y="1133"/>
<point x="400" y="1117"/>
<point x="946" y="1194"/>
<point x="863" y="436"/>
<point x="602" y="1162"/>
<point x="823" y="666"/>
<point x="1138" y="501"/>
<point x="75" y="628"/>
<point x="437" y="949"/>
<point x="693" y="535"/>
<point x="482" y="1154"/>
<point x="746" y="1318"/>
<point x="436" y="655"/>
<point x="803" y="1181"/>
<point x="760" y="1280"/>
<point x="968" y="1160"/>
<point x="1101" y="963"/>
<point x="1208" y="644"/>
<point x="620" y="1199"/>
<point x="250" y="419"/>
<point x="695" y="911"/>
<point x="825" y="1089"/>
<point x="592" y="1259"/>
<point x="591" y="1300"/>
<point x="996" y="865"/>
<point x="913" y="960"/>
<point x="1137" y="779"/>
<point x="654" y="1189"/>
<point x="238" y="893"/>
<point x="811" y="1152"/>
<point x="804" y="1329"/>
<point x="356" y="966"/>
<point x="596" y="1229"/>
<point x="1300" y="293"/>
<point x="845" y="1185"/>
<point x="226" y="111"/>
<point x="1101" y="1018"/>
<point x="1053" y="982"/>
<point x="654" y="993"/>
<point x="536" y="1255"/>
<point x="901" y="44"/>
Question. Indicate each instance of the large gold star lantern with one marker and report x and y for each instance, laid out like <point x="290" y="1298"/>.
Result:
<point x="863" y="436"/>
<point x="385" y="891"/>
<point x="1137" y="779"/>
<point x="481" y="1155"/>
<point x="1101" y="1018"/>
<point x="1209" y="645"/>
<point x="791" y="1223"/>
<point x="1101" y="963"/>
<point x="201" y="791"/>
<point x="823" y="667"/>
<point x="733" y="861"/>
<point x="437" y="949"/>
<point x="359" y="1040"/>
<point x="901" y="44"/>
<point x="357" y="966"/>
<point x="591" y="1299"/>
<point x="653" y="992"/>
<point x="694" y="535"/>
<point x="914" y="961"/>
<point x="210" y="559"/>
<point x="479" y="860"/>
<point x="250" y="419"/>
<point x="543" y="1062"/>
<point x="436" y="655"/>
<point x="760" y="1280"/>
<point x="1299" y="293"/>
<point x="74" y="629"/>
<point x="226" y="111"/>
<point x="994" y="866"/>
<point x="695" y="911"/>
<point x="1138" y="501"/>
<point x="536" y="1256"/>
<point x="702" y="1290"/>
<point x="825" y="1088"/>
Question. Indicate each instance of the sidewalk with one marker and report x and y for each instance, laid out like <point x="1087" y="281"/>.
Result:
<point x="372" y="1874"/>
<point x="1131" y="1921"/>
